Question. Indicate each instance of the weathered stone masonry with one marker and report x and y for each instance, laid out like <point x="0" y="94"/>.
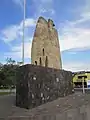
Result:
<point x="45" y="49"/>
<point x="43" y="80"/>
<point x="37" y="85"/>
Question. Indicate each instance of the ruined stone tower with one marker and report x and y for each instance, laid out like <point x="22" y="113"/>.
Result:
<point x="45" y="49"/>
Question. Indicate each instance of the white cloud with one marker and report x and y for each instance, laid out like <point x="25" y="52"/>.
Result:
<point x="44" y="6"/>
<point x="83" y="13"/>
<point x="10" y="33"/>
<point x="29" y="22"/>
<point x="74" y="35"/>
<point x="75" y="38"/>
<point x="16" y="51"/>
<point x="76" y="66"/>
<point x="18" y="2"/>
<point x="27" y="49"/>
<point x="51" y="11"/>
<point x="14" y="32"/>
<point x="84" y="17"/>
<point x="46" y="1"/>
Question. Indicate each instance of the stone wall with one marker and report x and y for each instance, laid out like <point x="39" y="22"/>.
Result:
<point x="37" y="85"/>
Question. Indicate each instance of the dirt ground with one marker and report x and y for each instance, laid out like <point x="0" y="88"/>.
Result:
<point x="54" y="108"/>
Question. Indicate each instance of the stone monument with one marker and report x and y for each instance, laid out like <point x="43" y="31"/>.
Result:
<point x="45" y="49"/>
<point x="43" y="80"/>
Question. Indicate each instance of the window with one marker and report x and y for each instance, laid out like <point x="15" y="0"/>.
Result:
<point x="43" y="52"/>
<point x="46" y="62"/>
<point x="40" y="61"/>
<point x="35" y="62"/>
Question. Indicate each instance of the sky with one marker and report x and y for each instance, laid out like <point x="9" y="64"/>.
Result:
<point x="71" y="18"/>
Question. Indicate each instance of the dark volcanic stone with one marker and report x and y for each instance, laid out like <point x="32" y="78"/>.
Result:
<point x="37" y="85"/>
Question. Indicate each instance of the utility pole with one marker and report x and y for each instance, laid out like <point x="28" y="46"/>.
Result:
<point x="24" y="14"/>
<point x="83" y="85"/>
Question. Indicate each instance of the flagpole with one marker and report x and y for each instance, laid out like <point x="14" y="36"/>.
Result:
<point x="24" y="11"/>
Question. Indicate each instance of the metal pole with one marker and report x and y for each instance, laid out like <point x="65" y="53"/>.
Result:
<point x="83" y="85"/>
<point x="24" y="8"/>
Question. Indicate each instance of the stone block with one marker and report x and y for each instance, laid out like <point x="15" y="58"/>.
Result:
<point x="37" y="85"/>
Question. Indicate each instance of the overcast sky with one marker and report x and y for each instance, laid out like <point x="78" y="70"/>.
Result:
<point x="71" y="18"/>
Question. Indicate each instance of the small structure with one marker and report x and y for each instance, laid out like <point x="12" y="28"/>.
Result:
<point x="79" y="77"/>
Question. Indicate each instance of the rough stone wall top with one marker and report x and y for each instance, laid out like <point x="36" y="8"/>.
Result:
<point x="45" y="49"/>
<point x="50" y="23"/>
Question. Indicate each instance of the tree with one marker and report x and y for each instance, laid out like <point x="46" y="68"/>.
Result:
<point x="10" y="61"/>
<point x="1" y="65"/>
<point x="8" y="73"/>
<point x="2" y="78"/>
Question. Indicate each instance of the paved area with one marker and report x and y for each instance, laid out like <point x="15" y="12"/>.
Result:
<point x="6" y="104"/>
<point x="68" y="106"/>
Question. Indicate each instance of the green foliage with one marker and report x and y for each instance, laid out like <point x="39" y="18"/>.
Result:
<point x="10" y="61"/>
<point x="8" y="73"/>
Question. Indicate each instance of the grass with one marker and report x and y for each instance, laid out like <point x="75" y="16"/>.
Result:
<point x="5" y="93"/>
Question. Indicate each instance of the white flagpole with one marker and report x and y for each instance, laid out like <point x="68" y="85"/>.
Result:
<point x="24" y="11"/>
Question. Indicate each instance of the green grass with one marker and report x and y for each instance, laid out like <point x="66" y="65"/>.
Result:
<point x="4" y="93"/>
